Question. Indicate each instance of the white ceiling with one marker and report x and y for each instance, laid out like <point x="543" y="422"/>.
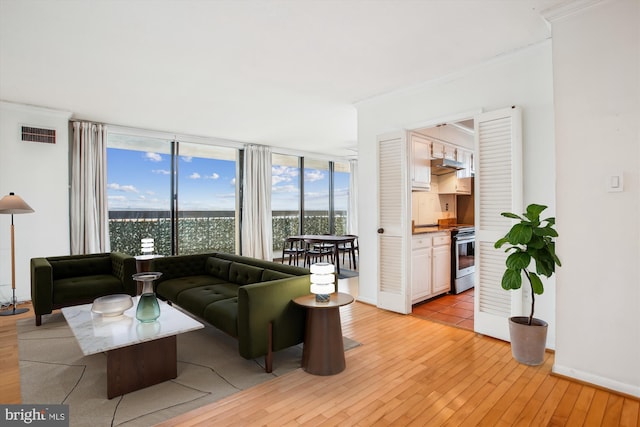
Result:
<point x="281" y="73"/>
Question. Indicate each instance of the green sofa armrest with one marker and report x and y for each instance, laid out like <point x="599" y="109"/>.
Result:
<point x="271" y="302"/>
<point x="41" y="286"/>
<point x="123" y="267"/>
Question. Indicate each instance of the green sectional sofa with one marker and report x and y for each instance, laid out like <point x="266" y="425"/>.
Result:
<point x="62" y="281"/>
<point x="248" y="298"/>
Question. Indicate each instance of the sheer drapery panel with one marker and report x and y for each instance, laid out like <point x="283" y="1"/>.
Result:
<point x="257" y="240"/>
<point x="89" y="210"/>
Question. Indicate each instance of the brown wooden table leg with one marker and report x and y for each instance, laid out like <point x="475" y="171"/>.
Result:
<point x="323" y="351"/>
<point x="142" y="365"/>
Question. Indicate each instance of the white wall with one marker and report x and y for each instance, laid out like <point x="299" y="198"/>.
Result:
<point x="39" y="173"/>
<point x="597" y="96"/>
<point x="524" y="79"/>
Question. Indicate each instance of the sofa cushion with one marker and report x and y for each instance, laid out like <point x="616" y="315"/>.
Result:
<point x="180" y="265"/>
<point x="243" y="274"/>
<point x="195" y="300"/>
<point x="268" y="275"/>
<point x="85" y="288"/>
<point x="89" y="266"/>
<point x="171" y="289"/>
<point x="218" y="268"/>
<point x="223" y="315"/>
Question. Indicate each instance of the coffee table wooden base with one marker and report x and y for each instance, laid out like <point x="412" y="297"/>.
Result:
<point x="141" y="365"/>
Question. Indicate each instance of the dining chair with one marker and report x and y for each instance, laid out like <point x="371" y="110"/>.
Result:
<point x="293" y="248"/>
<point x="349" y="248"/>
<point x="315" y="252"/>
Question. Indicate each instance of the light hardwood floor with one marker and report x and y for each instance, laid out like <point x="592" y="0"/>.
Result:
<point x="408" y="371"/>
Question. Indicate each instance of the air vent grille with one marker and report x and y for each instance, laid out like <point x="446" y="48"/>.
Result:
<point x="34" y="134"/>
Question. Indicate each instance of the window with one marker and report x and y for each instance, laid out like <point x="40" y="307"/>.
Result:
<point x="193" y="213"/>
<point x="321" y="208"/>
<point x="206" y="196"/>
<point x="139" y="192"/>
<point x="285" y="198"/>
<point x="341" y="195"/>
<point x="317" y="205"/>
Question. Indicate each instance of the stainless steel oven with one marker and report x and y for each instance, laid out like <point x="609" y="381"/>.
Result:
<point x="463" y="248"/>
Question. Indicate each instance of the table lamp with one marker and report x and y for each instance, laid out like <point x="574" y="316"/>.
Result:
<point x="322" y="281"/>
<point x="13" y="204"/>
<point x="146" y="246"/>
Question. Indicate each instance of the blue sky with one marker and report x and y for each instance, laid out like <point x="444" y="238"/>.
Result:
<point x="138" y="180"/>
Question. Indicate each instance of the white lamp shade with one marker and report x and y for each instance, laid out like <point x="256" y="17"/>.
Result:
<point x="322" y="279"/>
<point x="322" y="268"/>
<point x="322" y="289"/>
<point x="12" y="204"/>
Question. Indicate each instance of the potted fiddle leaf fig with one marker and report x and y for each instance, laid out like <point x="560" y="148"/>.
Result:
<point x="531" y="242"/>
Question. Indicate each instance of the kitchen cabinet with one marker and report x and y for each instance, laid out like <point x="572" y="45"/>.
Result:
<point x="466" y="158"/>
<point x="451" y="184"/>
<point x="420" y="163"/>
<point x="441" y="268"/>
<point x="420" y="268"/>
<point x="450" y="152"/>
<point x="437" y="150"/>
<point x="430" y="265"/>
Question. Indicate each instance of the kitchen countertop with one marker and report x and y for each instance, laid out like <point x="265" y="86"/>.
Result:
<point x="435" y="228"/>
<point x="422" y="230"/>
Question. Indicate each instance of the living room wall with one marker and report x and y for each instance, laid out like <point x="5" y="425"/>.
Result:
<point x="39" y="173"/>
<point x="523" y="78"/>
<point x="596" y="66"/>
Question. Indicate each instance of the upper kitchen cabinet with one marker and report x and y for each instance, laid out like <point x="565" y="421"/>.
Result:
<point x="420" y="163"/>
<point x="466" y="158"/>
<point x="437" y="150"/>
<point x="450" y="152"/>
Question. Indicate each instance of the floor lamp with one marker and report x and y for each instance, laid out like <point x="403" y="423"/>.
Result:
<point x="13" y="204"/>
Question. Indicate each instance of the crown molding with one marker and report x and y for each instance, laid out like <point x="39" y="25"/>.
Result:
<point x="567" y="8"/>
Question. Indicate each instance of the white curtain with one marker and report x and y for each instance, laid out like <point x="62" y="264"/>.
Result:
<point x="352" y="215"/>
<point x="89" y="211"/>
<point x="257" y="237"/>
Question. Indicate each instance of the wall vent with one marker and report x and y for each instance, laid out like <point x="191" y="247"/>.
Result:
<point x="35" y="134"/>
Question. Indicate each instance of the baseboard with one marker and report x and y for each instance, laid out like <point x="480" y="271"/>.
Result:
<point x="366" y="300"/>
<point x="598" y="381"/>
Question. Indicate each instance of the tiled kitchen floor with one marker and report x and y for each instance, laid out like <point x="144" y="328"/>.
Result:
<point x="450" y="309"/>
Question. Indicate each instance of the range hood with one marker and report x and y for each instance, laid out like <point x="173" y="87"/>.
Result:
<point x="445" y="166"/>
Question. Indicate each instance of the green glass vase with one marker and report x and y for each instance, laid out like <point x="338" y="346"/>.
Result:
<point x="148" y="309"/>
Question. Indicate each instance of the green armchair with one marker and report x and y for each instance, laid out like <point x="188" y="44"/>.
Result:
<point x="63" y="281"/>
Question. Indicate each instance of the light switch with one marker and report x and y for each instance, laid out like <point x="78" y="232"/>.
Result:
<point x="615" y="183"/>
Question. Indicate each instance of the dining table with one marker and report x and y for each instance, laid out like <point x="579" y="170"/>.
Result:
<point x="335" y="240"/>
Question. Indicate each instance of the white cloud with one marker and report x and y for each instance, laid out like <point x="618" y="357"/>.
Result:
<point x="194" y="175"/>
<point x="213" y="176"/>
<point x="282" y="174"/>
<point x="285" y="189"/>
<point x="187" y="159"/>
<point x="313" y="175"/>
<point x="161" y="171"/>
<point x="154" y="157"/>
<point x="125" y="188"/>
<point x="233" y="182"/>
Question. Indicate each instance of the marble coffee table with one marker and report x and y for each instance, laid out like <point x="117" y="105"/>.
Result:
<point x="138" y="354"/>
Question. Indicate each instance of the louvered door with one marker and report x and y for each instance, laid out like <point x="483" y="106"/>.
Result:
<point x="498" y="188"/>
<point x="393" y="223"/>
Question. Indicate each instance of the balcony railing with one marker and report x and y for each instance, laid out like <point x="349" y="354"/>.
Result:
<point x="204" y="231"/>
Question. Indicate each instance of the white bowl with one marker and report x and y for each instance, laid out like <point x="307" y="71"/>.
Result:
<point x="112" y="305"/>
